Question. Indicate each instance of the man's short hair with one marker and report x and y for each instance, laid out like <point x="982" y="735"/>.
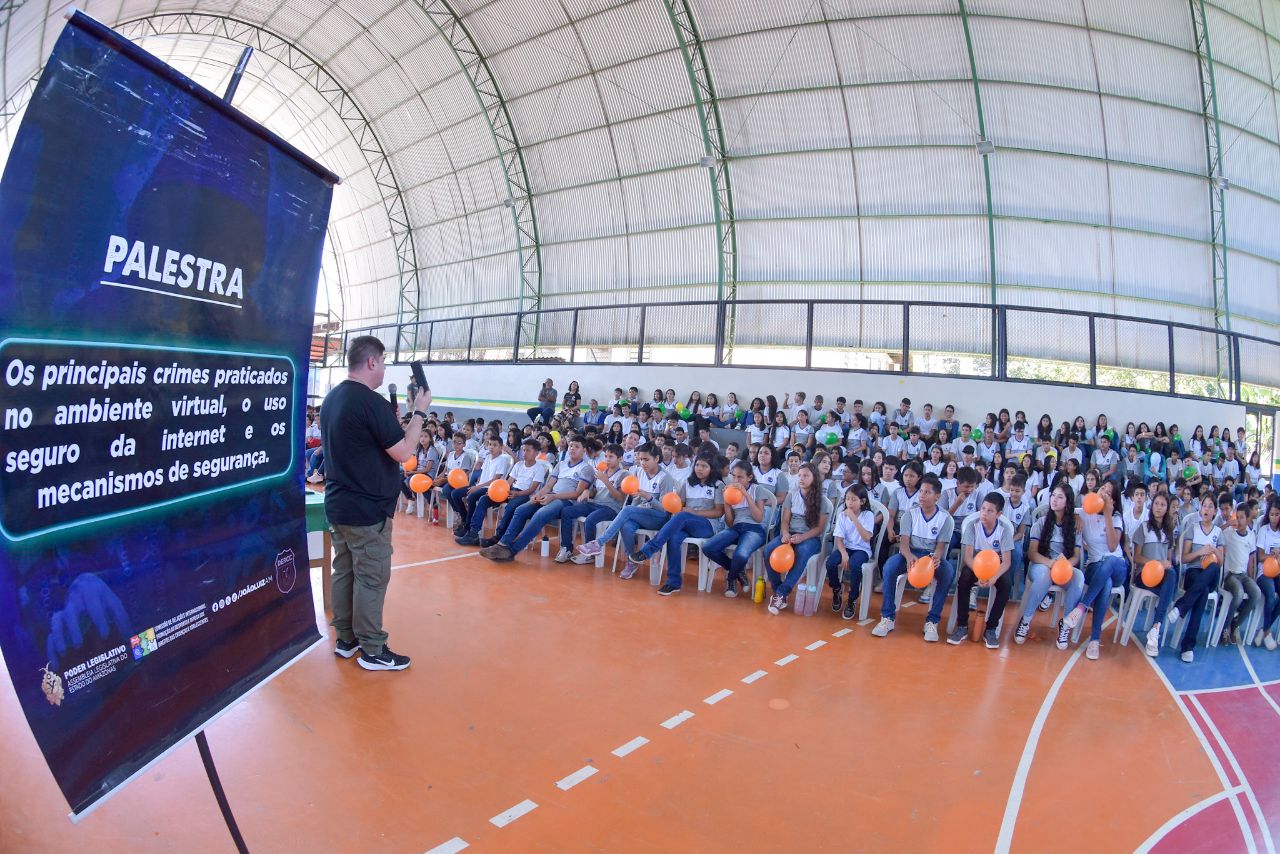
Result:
<point x="363" y="348"/>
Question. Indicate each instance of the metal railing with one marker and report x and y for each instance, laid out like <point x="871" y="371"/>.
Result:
<point x="976" y="340"/>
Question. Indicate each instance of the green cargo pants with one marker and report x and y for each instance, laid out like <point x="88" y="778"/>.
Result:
<point x="361" y="571"/>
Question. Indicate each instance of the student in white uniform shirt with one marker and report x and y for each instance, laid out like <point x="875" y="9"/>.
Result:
<point x="858" y="439"/>
<point x="701" y="517"/>
<point x="564" y="485"/>
<point x="802" y="432"/>
<point x="757" y="429"/>
<point x="681" y="467"/>
<point x="768" y="475"/>
<point x="926" y="530"/>
<point x="892" y="444"/>
<point x="1201" y="561"/>
<point x="963" y="501"/>
<point x="1239" y="548"/>
<point x="526" y="476"/>
<point x="804" y="521"/>
<point x="888" y="484"/>
<point x="854" y="529"/>
<point x="1268" y="545"/>
<point x="987" y="529"/>
<point x="644" y="511"/>
<point x="1019" y="443"/>
<point x="926" y="422"/>
<point x="466" y="502"/>
<point x="915" y="447"/>
<point x="745" y="531"/>
<point x="935" y="464"/>
<point x="1106" y="568"/>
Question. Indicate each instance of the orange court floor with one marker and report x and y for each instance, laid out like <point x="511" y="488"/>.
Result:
<point x="558" y="708"/>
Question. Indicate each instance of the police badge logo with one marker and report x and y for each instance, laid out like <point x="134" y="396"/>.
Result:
<point x="286" y="571"/>
<point x="51" y="684"/>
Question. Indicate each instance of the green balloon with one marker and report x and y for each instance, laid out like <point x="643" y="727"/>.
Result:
<point x="1190" y="472"/>
<point x="832" y="439"/>
<point x="976" y="435"/>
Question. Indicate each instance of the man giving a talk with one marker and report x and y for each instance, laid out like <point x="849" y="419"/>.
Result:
<point x="364" y="447"/>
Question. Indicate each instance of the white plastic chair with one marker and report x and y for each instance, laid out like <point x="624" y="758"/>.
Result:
<point x="872" y="565"/>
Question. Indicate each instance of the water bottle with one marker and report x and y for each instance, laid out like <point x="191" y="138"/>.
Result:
<point x="811" y="604"/>
<point x="758" y="595"/>
<point x="802" y="598"/>
<point x="546" y="546"/>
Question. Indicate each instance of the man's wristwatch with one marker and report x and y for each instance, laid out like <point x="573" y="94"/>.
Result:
<point x="420" y="414"/>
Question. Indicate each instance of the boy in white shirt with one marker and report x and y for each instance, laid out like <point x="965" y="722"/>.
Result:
<point x="1019" y="443"/>
<point x="892" y="444"/>
<point x="915" y="448"/>
<point x="987" y="529"/>
<point x="570" y="480"/>
<point x="927" y="423"/>
<point x="496" y="466"/>
<point x="1240" y="555"/>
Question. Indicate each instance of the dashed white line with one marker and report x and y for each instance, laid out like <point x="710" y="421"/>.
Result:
<point x="502" y="819"/>
<point x="784" y="661"/>
<point x="867" y="621"/>
<point x="675" y="720"/>
<point x="843" y="632"/>
<point x="453" y="846"/>
<point x="576" y="777"/>
<point x="908" y="604"/>
<point x="816" y="645"/>
<point x="759" y="674"/>
<point x="631" y="746"/>
<point x="718" y="696"/>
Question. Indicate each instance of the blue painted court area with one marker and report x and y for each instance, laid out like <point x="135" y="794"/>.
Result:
<point x="1218" y="667"/>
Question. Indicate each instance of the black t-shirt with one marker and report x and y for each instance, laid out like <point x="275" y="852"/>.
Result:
<point x="357" y="425"/>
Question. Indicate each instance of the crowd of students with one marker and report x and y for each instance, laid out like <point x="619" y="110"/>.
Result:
<point x="805" y="475"/>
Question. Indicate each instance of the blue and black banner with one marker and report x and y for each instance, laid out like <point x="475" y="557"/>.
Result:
<point x="159" y="255"/>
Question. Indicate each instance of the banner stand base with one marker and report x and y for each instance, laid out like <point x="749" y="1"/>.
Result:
<point x="216" y="784"/>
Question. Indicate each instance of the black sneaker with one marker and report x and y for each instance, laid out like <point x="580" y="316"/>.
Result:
<point x="850" y="609"/>
<point x="385" y="660"/>
<point x="667" y="590"/>
<point x="637" y="557"/>
<point x="346" y="649"/>
<point x="835" y="599"/>
<point x="486" y="542"/>
<point x="991" y="637"/>
<point x="468" y="539"/>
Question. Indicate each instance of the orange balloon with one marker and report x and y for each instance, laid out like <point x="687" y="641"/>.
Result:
<point x="782" y="558"/>
<point x="602" y="466"/>
<point x="986" y="564"/>
<point x="542" y="457"/>
<point x="1060" y="573"/>
<point x="420" y="483"/>
<point x="499" y="491"/>
<point x="1271" y="567"/>
<point x="733" y="495"/>
<point x="672" y="503"/>
<point x="1152" y="573"/>
<point x="458" y="478"/>
<point x="921" y="572"/>
<point x="1092" y="503"/>
<point x="1207" y="561"/>
<point x="630" y="485"/>
<point x="411" y="464"/>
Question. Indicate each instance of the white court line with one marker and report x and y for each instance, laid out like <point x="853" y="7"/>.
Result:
<point x="1257" y="683"/>
<point x="631" y="746"/>
<point x="785" y="660"/>
<point x="816" y="645"/>
<point x="1244" y="782"/>
<point x="675" y="720"/>
<point x="453" y="846"/>
<point x="910" y="604"/>
<point x="1178" y="819"/>
<point x="435" y="560"/>
<point x="1014" y="803"/>
<point x="843" y="632"/>
<point x="1204" y="743"/>
<point x="1225" y="688"/>
<point x="753" y="677"/>
<point x="867" y="621"/>
<point x="502" y="819"/>
<point x="576" y="777"/>
<point x="718" y="696"/>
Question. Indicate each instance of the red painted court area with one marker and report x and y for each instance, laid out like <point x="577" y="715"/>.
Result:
<point x="546" y="711"/>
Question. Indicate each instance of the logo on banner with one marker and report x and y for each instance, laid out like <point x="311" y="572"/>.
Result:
<point x="51" y="684"/>
<point x="286" y="571"/>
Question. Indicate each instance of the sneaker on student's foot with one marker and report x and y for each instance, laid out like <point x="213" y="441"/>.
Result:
<point x="1269" y="641"/>
<point x="500" y="552"/>
<point x="563" y="555"/>
<point x="1174" y="615"/>
<point x="468" y="539"/>
<point x="835" y="599"/>
<point x="346" y="649"/>
<point x="1153" y="641"/>
<point x="931" y="632"/>
<point x="850" y="609"/>
<point x="1188" y="656"/>
<point x="1046" y="603"/>
<point x="1064" y="634"/>
<point x="883" y="628"/>
<point x="629" y="571"/>
<point x="637" y="557"/>
<point x="958" y="636"/>
<point x="668" y="589"/>
<point x="777" y="604"/>
<point x="1024" y="628"/>
<point x="590" y="548"/>
<point x="582" y="560"/>
<point x="991" y="637"/>
<point x="385" y="660"/>
<point x="926" y="597"/>
<point x="486" y="542"/>
<point x="1091" y="651"/>
<point x="1073" y="619"/>
<point x="731" y="588"/>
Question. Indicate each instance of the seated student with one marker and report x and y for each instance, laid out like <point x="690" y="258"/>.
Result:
<point x="962" y="445"/>
<point x="630" y="443"/>
<point x="962" y="501"/>
<point x="701" y="518"/>
<point x="493" y="466"/>
<point x="935" y="464"/>
<point x="681" y="466"/>
<point x="927" y="423"/>
<point x="892" y="444"/>
<point x="745" y="528"/>
<point x="730" y="412"/>
<point x="1239" y="547"/>
<point x="644" y="511"/>
<point x="779" y="432"/>
<point x="901" y="500"/>
<point x="526" y="476"/>
<point x="802" y="433"/>
<point x="915" y="447"/>
<point x="601" y="503"/>
<point x="1105" y="459"/>
<point x="986" y="529"/>
<point x="1102" y="534"/>
<point x="1154" y="539"/>
<point x="989" y="446"/>
<point x="888" y="484"/>
<point x="594" y="416"/>
<point x="804" y="520"/>
<point x="1045" y="450"/>
<point x="732" y="452"/>
<point x="1201" y="562"/>
<point x="839" y="416"/>
<point x="854" y="529"/>
<point x="565" y="485"/>
<point x="1019" y="443"/>
<point x="426" y="461"/>
<point x="757" y="428"/>
<point x="925" y="530"/>
<point x="818" y="410"/>
<point x="902" y="416"/>
<point x="1017" y="509"/>
<point x="704" y="438"/>
<point x="644" y="424"/>
<point x="1055" y="536"/>
<point x="858" y="440"/>
<point x="1131" y="465"/>
<point x="1268" y="538"/>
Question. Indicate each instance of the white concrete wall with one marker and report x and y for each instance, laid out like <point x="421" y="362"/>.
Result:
<point x="973" y="398"/>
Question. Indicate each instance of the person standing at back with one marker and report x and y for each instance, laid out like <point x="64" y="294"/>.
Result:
<point x="365" y="447"/>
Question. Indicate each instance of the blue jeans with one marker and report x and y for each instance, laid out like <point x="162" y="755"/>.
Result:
<point x="315" y="461"/>
<point x="529" y="520"/>
<point x="1038" y="583"/>
<point x="1271" y="608"/>
<point x="457" y="498"/>
<point x="630" y="520"/>
<point x="1200" y="583"/>
<point x="590" y="514"/>
<point x="748" y="536"/>
<point x="1018" y="580"/>
<point x="804" y="550"/>
<point x="896" y="566"/>
<point x="1165" y="591"/>
<point x="673" y="533"/>
<point x="545" y="412"/>
<point x="857" y="558"/>
<point x="1101" y="576"/>
<point x="482" y="504"/>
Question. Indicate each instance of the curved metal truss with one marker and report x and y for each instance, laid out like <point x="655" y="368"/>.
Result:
<point x="716" y="160"/>
<point x="519" y="191"/>
<point x="306" y="67"/>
